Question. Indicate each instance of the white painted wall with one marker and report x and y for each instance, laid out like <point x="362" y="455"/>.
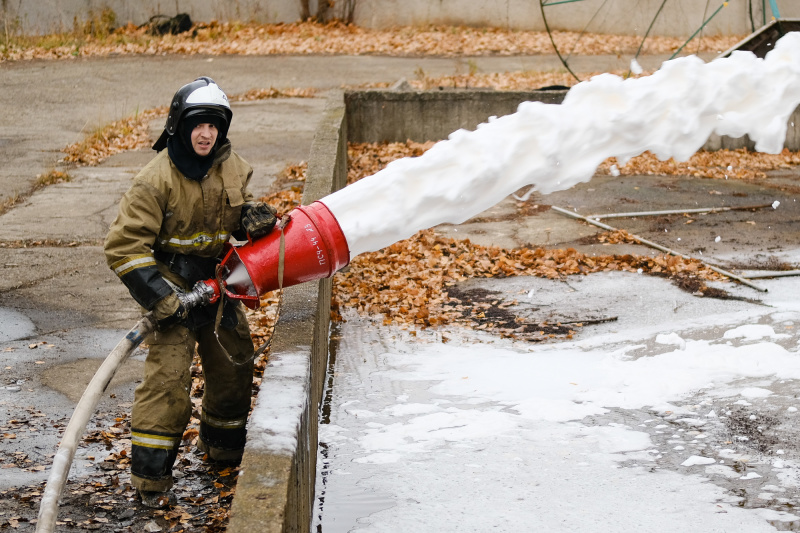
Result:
<point x="43" y="16"/>
<point x="678" y="18"/>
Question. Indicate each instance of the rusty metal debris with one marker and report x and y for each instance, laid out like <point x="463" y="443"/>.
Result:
<point x="657" y="246"/>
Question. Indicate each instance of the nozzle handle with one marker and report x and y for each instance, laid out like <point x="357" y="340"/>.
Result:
<point x="204" y="292"/>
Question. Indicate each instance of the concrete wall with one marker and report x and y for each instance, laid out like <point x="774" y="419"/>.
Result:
<point x="43" y="16"/>
<point x="678" y="18"/>
<point x="275" y="490"/>
<point x="395" y="116"/>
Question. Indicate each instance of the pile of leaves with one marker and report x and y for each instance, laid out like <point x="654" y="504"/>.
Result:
<point x="217" y="38"/>
<point x="365" y="159"/>
<point x="501" y="81"/>
<point x="410" y="283"/>
<point x="130" y="133"/>
<point x="272" y="92"/>
<point x="720" y="164"/>
<point x="407" y="282"/>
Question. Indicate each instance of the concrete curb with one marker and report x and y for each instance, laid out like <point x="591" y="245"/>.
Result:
<point x="275" y="490"/>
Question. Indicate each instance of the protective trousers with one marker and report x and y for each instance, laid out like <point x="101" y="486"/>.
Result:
<point x="162" y="405"/>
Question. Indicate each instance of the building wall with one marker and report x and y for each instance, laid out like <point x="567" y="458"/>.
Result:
<point x="44" y="16"/>
<point x="678" y="18"/>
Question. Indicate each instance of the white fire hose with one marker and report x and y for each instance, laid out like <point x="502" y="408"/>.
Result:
<point x="48" y="508"/>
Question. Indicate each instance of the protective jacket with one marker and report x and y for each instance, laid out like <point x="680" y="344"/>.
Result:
<point x="173" y="227"/>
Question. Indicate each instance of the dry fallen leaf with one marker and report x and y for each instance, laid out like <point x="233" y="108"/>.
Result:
<point x="407" y="283"/>
<point x="215" y="38"/>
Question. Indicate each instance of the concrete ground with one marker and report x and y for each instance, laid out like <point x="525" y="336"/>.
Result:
<point x="62" y="310"/>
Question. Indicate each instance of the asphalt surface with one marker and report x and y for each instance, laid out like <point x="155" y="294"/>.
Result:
<point x="62" y="309"/>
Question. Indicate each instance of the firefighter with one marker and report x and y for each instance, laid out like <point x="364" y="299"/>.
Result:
<point x="169" y="233"/>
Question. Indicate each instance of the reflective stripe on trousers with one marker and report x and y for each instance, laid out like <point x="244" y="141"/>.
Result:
<point x="162" y="406"/>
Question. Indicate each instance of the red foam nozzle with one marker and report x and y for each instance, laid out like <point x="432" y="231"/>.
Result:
<point x="314" y="248"/>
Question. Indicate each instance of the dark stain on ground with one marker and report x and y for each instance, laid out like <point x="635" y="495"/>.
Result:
<point x="753" y="429"/>
<point x="769" y="263"/>
<point x="487" y="311"/>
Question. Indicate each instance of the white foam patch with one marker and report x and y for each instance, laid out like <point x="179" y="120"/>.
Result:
<point x="751" y="332"/>
<point x="696" y="460"/>
<point x="458" y="423"/>
<point x="671" y="338"/>
<point x="569" y="384"/>
<point x="516" y="449"/>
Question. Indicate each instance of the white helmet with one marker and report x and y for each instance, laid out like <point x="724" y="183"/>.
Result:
<point x="200" y="97"/>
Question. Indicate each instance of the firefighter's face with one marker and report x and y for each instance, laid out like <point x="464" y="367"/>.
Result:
<point x="204" y="136"/>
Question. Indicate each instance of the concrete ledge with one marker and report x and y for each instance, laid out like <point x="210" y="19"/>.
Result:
<point x="396" y="116"/>
<point x="383" y="115"/>
<point x="275" y="491"/>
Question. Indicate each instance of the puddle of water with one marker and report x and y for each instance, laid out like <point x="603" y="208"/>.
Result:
<point x="14" y="325"/>
<point x="340" y="502"/>
<point x="339" y="509"/>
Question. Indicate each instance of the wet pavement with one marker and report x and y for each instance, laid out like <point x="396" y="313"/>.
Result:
<point x="406" y="440"/>
<point x="415" y="430"/>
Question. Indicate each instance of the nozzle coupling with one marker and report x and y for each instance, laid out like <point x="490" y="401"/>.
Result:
<point x="203" y="293"/>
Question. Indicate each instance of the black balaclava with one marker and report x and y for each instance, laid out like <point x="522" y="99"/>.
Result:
<point x="180" y="150"/>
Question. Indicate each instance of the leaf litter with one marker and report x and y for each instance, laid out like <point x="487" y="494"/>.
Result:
<point x="414" y="283"/>
<point x="235" y="38"/>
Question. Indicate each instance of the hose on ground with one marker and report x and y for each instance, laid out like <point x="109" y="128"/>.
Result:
<point x="48" y="508"/>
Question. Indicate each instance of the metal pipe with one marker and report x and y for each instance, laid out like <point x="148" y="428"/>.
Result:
<point x="773" y="5"/>
<point x="657" y="246"/>
<point x="678" y="211"/>
<point x="557" y="2"/>
<point x="714" y="14"/>
<point x="553" y="42"/>
<point x="48" y="508"/>
<point x="775" y="274"/>
<point x="650" y="27"/>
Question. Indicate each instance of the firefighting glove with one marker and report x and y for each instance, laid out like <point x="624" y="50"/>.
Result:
<point x="168" y="311"/>
<point x="258" y="219"/>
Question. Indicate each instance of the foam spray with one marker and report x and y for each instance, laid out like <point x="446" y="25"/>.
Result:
<point x="552" y="147"/>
